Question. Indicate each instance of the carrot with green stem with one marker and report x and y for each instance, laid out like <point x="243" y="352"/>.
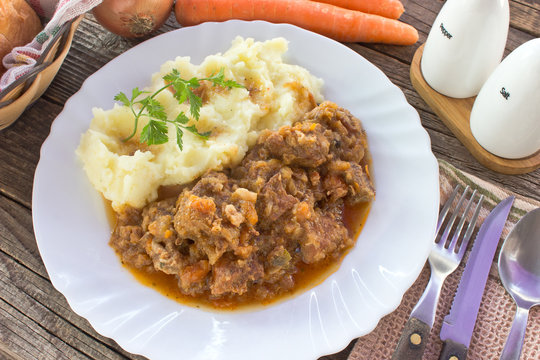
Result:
<point x="391" y="9"/>
<point x="332" y="21"/>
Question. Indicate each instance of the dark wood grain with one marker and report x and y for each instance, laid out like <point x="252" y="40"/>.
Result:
<point x="19" y="150"/>
<point x="36" y="322"/>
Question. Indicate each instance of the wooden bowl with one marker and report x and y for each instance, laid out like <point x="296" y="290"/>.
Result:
<point x="27" y="89"/>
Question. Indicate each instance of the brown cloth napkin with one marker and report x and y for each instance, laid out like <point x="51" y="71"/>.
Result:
<point x="496" y="310"/>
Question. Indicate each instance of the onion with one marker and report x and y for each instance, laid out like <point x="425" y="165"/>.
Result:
<point x="132" y="18"/>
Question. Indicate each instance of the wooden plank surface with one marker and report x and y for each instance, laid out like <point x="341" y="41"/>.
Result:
<point x="35" y="319"/>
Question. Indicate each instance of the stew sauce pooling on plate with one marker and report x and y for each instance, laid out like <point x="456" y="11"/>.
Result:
<point x="250" y="234"/>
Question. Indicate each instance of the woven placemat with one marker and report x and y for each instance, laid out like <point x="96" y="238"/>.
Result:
<point x="496" y="310"/>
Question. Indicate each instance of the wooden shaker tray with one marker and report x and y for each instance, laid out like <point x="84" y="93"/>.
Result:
<point x="455" y="114"/>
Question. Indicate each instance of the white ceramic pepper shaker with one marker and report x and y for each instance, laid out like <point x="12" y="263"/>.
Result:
<point x="464" y="45"/>
<point x="505" y="118"/>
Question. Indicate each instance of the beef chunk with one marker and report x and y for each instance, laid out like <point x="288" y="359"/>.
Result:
<point x="164" y="255"/>
<point x="274" y="200"/>
<point x="360" y="187"/>
<point x="253" y="174"/>
<point x="193" y="278"/>
<point x="197" y="218"/>
<point x="127" y="238"/>
<point x="345" y="134"/>
<point x="324" y="234"/>
<point x="303" y="144"/>
<point x="235" y="275"/>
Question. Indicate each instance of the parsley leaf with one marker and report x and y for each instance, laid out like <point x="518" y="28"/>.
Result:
<point x="122" y="98"/>
<point x="136" y="92"/>
<point x="180" y="91"/>
<point x="179" y="134"/>
<point x="194" y="83"/>
<point x="219" y="80"/>
<point x="173" y="76"/>
<point x="194" y="130"/>
<point x="195" y="104"/>
<point x="182" y="118"/>
<point x="154" y="108"/>
<point x="155" y="132"/>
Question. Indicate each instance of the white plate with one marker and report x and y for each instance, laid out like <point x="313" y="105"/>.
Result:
<point x="72" y="230"/>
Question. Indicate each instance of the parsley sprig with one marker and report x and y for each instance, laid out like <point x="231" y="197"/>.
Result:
<point x="156" y="130"/>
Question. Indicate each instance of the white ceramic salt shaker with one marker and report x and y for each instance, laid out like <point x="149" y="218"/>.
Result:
<point x="464" y="45"/>
<point x="505" y="118"/>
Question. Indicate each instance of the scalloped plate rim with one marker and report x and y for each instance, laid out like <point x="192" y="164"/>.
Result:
<point x="394" y="93"/>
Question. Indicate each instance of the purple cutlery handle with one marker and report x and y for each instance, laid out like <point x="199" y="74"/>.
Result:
<point x="413" y="340"/>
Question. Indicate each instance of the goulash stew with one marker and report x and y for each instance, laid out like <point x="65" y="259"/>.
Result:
<point x="247" y="234"/>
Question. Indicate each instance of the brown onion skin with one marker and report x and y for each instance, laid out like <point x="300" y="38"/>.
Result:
<point x="133" y="18"/>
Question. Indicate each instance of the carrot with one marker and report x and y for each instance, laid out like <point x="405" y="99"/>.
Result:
<point x="332" y="21"/>
<point x="391" y="9"/>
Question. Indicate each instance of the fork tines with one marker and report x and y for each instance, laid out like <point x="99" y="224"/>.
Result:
<point x="462" y="209"/>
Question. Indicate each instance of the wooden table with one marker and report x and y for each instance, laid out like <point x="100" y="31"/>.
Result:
<point x="35" y="319"/>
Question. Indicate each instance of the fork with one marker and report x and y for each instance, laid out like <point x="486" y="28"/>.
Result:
<point x="443" y="259"/>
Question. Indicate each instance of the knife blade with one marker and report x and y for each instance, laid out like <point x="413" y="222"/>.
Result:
<point x="458" y="325"/>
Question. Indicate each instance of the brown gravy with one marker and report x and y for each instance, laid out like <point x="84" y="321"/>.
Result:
<point x="308" y="276"/>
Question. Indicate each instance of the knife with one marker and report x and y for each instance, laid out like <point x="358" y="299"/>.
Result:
<point x="458" y="325"/>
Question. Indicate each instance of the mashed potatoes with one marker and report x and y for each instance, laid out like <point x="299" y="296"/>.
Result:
<point x="275" y="94"/>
